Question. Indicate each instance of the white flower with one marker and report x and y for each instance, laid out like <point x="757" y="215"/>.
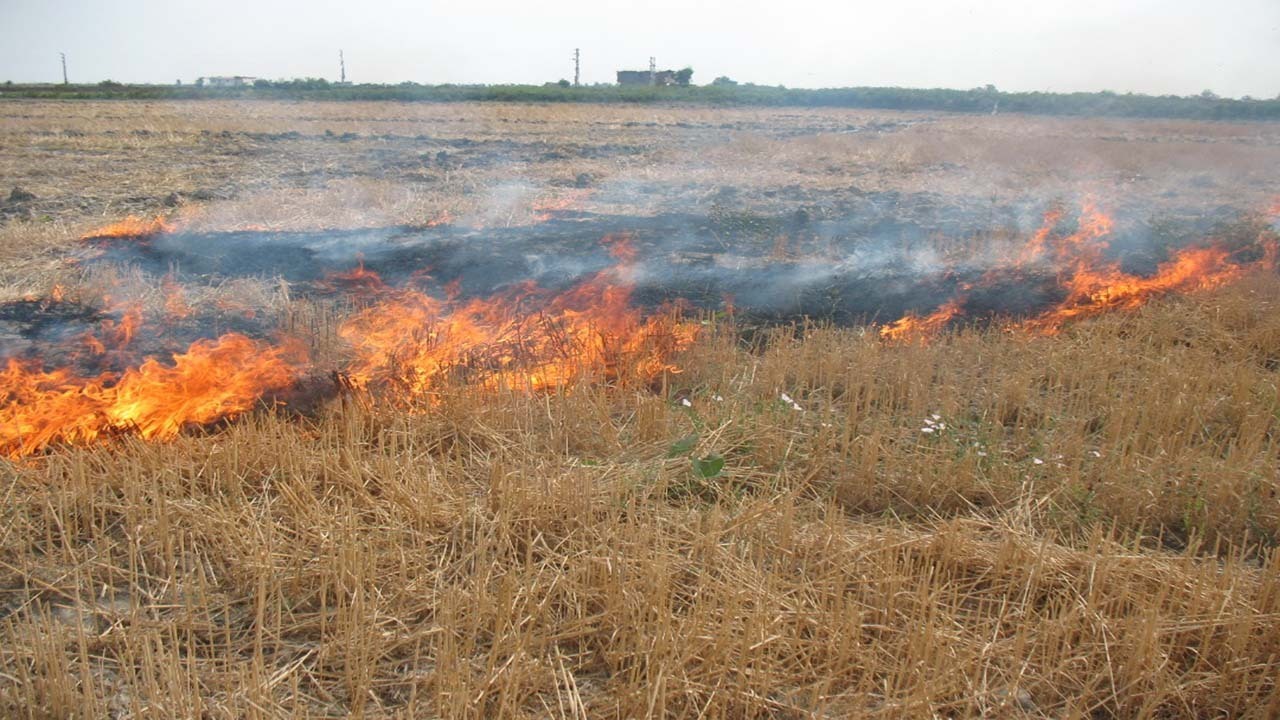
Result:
<point x="685" y="402"/>
<point x="787" y="399"/>
<point x="936" y="416"/>
<point x="1037" y="461"/>
<point x="926" y="430"/>
<point x="1095" y="453"/>
<point x="717" y="398"/>
<point x="982" y="453"/>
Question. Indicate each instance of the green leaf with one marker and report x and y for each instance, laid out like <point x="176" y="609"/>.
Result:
<point x="709" y="466"/>
<point x="683" y="446"/>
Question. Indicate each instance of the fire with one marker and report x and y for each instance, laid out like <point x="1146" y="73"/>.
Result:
<point x="1093" y="292"/>
<point x="175" y="301"/>
<point x="912" y="326"/>
<point x="1092" y="225"/>
<point x="546" y="209"/>
<point x="1090" y="282"/>
<point x="119" y="332"/>
<point x="213" y="379"/>
<point x="357" y="282"/>
<point x="403" y="345"/>
<point x="525" y="338"/>
<point x="444" y="218"/>
<point x="132" y="226"/>
<point x="1039" y="241"/>
<point x="406" y="344"/>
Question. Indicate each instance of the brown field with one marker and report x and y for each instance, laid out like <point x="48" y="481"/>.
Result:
<point x="1088" y="529"/>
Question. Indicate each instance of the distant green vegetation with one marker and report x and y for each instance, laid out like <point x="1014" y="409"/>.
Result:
<point x="1205" y="106"/>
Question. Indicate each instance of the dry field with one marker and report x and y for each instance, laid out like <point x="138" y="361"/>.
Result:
<point x="803" y="520"/>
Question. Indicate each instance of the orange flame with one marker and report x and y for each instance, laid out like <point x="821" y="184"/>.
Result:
<point x="524" y="339"/>
<point x="546" y="208"/>
<point x="175" y="301"/>
<point x="912" y="326"/>
<point x="1039" y="242"/>
<point x="358" y="282"/>
<point x="444" y="218"/>
<point x="1093" y="292"/>
<point x="412" y="344"/>
<point x="1092" y="284"/>
<point x="213" y="379"/>
<point x="405" y="341"/>
<point x="119" y="333"/>
<point x="132" y="226"/>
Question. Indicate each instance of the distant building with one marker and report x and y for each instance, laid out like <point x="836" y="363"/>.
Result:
<point x="226" y="81"/>
<point x="661" y="78"/>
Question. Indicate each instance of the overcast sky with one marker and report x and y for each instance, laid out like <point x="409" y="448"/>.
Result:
<point x="1151" y="46"/>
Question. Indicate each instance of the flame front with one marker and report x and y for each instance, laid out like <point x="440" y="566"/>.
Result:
<point x="407" y="345"/>
<point x="547" y="208"/>
<point x="1090" y="283"/>
<point x="914" y="326"/>
<point x="402" y="346"/>
<point x="132" y="226"/>
<point x="213" y="379"/>
<point x="523" y="339"/>
<point x="1092" y="291"/>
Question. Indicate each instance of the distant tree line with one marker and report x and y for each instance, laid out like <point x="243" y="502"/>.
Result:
<point x="722" y="91"/>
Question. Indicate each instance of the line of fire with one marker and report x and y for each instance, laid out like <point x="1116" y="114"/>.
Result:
<point x="420" y="309"/>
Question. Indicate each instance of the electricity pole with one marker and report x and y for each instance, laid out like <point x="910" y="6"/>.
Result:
<point x="64" y="68"/>
<point x="342" y="69"/>
<point x="577" y="66"/>
<point x="653" y="70"/>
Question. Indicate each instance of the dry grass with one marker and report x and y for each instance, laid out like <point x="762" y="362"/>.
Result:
<point x="1092" y="534"/>
<point x="97" y="161"/>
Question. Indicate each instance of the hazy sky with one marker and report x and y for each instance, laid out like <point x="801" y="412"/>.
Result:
<point x="1152" y="46"/>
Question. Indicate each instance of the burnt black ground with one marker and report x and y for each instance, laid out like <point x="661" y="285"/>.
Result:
<point x="886" y="257"/>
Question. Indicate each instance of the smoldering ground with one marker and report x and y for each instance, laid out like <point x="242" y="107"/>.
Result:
<point x="874" y="260"/>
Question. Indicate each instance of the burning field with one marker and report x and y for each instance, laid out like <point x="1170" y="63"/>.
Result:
<point x="131" y="371"/>
<point x="611" y="442"/>
<point x="433" y="305"/>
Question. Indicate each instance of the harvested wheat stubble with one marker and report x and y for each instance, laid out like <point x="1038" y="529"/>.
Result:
<point x="984" y="522"/>
<point x="514" y="555"/>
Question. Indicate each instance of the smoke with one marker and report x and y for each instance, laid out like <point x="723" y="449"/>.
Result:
<point x="772" y="216"/>
<point x="887" y="255"/>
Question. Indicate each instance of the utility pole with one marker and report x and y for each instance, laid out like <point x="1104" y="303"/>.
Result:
<point x="577" y="66"/>
<point x="64" y="68"/>
<point x="653" y="70"/>
<point x="342" y="69"/>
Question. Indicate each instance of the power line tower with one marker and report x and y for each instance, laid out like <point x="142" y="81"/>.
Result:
<point x="342" y="69"/>
<point x="577" y="66"/>
<point x="64" y="68"/>
<point x="653" y="70"/>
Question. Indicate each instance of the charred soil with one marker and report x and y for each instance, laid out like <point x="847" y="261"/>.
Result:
<point x="598" y="411"/>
